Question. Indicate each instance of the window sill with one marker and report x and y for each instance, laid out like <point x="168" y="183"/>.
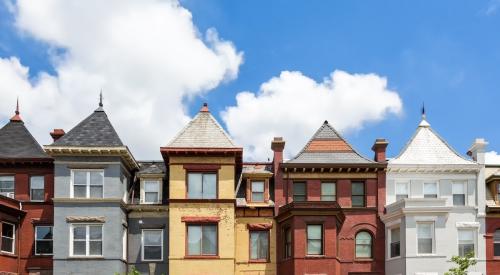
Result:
<point x="393" y="258"/>
<point x="152" y="261"/>
<point x="256" y="261"/>
<point x="8" y="254"/>
<point x="363" y="260"/>
<point x="315" y="256"/>
<point x="86" y="257"/>
<point x="202" y="257"/>
<point x="43" y="255"/>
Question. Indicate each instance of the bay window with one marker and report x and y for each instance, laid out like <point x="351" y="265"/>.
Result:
<point x="314" y="239"/>
<point x="395" y="247"/>
<point x="7" y="241"/>
<point x="287" y="243"/>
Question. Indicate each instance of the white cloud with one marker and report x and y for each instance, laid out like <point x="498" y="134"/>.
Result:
<point x="294" y="106"/>
<point x="492" y="157"/>
<point x="147" y="56"/>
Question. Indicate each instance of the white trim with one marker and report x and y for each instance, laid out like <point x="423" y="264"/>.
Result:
<point x="87" y="239"/>
<point x="468" y="225"/>
<point x="389" y="241"/>
<point x="142" y="246"/>
<point x="36" y="239"/>
<point x="13" y="238"/>
<point x="143" y="190"/>
<point x="72" y="181"/>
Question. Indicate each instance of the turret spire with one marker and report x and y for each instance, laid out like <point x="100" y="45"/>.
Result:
<point x="16" y="117"/>
<point x="100" y="99"/>
<point x="424" y="122"/>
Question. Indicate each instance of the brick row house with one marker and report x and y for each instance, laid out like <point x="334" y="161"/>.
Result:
<point x="85" y="205"/>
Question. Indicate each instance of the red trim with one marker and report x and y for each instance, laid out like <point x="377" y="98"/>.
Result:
<point x="200" y="219"/>
<point x="259" y="226"/>
<point x="201" y="167"/>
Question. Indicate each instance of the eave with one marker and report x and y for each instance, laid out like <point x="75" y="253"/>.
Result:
<point x="309" y="208"/>
<point x="433" y="168"/>
<point x="167" y="152"/>
<point x="332" y="168"/>
<point x="120" y="151"/>
<point x="25" y="161"/>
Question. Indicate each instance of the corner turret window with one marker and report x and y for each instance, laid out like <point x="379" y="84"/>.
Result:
<point x="7" y="186"/>
<point x="87" y="183"/>
<point x="202" y="186"/>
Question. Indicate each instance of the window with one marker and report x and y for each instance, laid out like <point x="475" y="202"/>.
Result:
<point x="328" y="191"/>
<point x="86" y="240"/>
<point x="430" y="190"/>
<point x="395" y="242"/>
<point x="401" y="190"/>
<point x="425" y="236"/>
<point x="363" y="245"/>
<point x="151" y="191"/>
<point x="299" y="191"/>
<point x="358" y="194"/>
<point x="465" y="242"/>
<point x="257" y="191"/>
<point x="259" y="245"/>
<point x="37" y="188"/>
<point x="202" y="186"/>
<point x="202" y="239"/>
<point x="7" y="186"/>
<point x="43" y="240"/>
<point x="496" y="243"/>
<point x="288" y="243"/>
<point x="314" y="239"/>
<point x="8" y="237"/>
<point x="152" y="244"/>
<point x="124" y="243"/>
<point x="88" y="184"/>
<point x="498" y="191"/>
<point x="458" y="190"/>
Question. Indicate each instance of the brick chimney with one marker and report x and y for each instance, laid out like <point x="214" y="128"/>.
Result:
<point x="278" y="145"/>
<point x="379" y="148"/>
<point x="57" y="134"/>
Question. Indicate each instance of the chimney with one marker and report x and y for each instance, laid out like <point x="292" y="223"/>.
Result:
<point x="379" y="148"/>
<point x="277" y="145"/>
<point x="57" y="134"/>
<point x="477" y="150"/>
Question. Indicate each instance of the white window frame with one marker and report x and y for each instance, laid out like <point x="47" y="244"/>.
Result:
<point x="124" y="242"/>
<point x="437" y="188"/>
<point x="13" y="238"/>
<point x="142" y="246"/>
<point x="72" y="181"/>
<point x="87" y="240"/>
<point x="474" y="239"/>
<point x="389" y="241"/>
<point x="263" y="190"/>
<point x="433" y="235"/>
<point x="464" y="183"/>
<point x="143" y="190"/>
<point x="31" y="188"/>
<point x="407" y="183"/>
<point x="10" y="194"/>
<point x="36" y="239"/>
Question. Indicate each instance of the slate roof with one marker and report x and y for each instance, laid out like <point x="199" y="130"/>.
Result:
<point x="202" y="132"/>
<point x="426" y="147"/>
<point x="152" y="167"/>
<point x="94" y="131"/>
<point x="16" y="142"/>
<point x="257" y="168"/>
<point x="327" y="146"/>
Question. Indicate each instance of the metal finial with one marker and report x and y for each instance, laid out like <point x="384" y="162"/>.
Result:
<point x="423" y="110"/>
<point x="17" y="106"/>
<point x="100" y="99"/>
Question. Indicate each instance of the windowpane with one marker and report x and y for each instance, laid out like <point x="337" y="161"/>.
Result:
<point x="328" y="191"/>
<point x="288" y="243"/>
<point x="314" y="239"/>
<point x="152" y="244"/>
<point x="194" y="240"/>
<point x="425" y="238"/>
<point x="209" y="240"/>
<point x="257" y="197"/>
<point x="37" y="194"/>
<point x="80" y="191"/>
<point x="363" y="245"/>
<point x="458" y="199"/>
<point x="259" y="242"/>
<point x="152" y="253"/>
<point x="96" y="177"/>
<point x="95" y="232"/>
<point x="395" y="242"/>
<point x="43" y="247"/>
<point x="299" y="191"/>
<point x="152" y="237"/>
<point x="151" y="197"/>
<point x="209" y="186"/>
<point x="430" y="190"/>
<point x="151" y="186"/>
<point x="79" y="248"/>
<point x="79" y="232"/>
<point x="358" y="188"/>
<point x="401" y="190"/>
<point x="7" y="186"/>
<point x="80" y="178"/>
<point x="358" y="201"/>
<point x="458" y="188"/>
<point x="358" y="194"/>
<point x="496" y="243"/>
<point x="95" y="248"/>
<point x="96" y="191"/>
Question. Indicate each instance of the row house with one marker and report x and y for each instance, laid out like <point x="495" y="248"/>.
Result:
<point x="328" y="201"/>
<point x="26" y="212"/>
<point x="435" y="206"/>
<point x="492" y="235"/>
<point x="93" y="170"/>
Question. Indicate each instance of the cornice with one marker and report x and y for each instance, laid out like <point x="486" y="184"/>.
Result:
<point x="120" y="151"/>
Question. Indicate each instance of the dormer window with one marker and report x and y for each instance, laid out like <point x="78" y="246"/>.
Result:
<point x="202" y="185"/>
<point x="151" y="191"/>
<point x="257" y="191"/>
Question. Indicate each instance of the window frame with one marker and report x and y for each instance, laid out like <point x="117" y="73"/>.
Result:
<point x="433" y="237"/>
<point x="464" y="184"/>
<point x="301" y="195"/>
<point x="437" y="189"/>
<point x="201" y="255"/>
<point x="407" y="184"/>
<point x="496" y="243"/>
<point x="142" y="245"/>
<point x="259" y="260"/>
<point x="203" y="172"/>
<point x="334" y="190"/>
<point x="87" y="240"/>
<point x="322" y="253"/>
<point x="364" y="193"/>
<point x="31" y="189"/>
<point x="143" y="193"/>
<point x="356" y="245"/>
<point x="13" y="252"/>
<point x="36" y="240"/>
<point x="474" y="240"/>
<point x="12" y="194"/>
<point x="390" y="256"/>
<point x="88" y="183"/>
<point x="263" y="191"/>
<point x="287" y="243"/>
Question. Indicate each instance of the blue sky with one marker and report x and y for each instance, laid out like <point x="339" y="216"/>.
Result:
<point x="443" y="53"/>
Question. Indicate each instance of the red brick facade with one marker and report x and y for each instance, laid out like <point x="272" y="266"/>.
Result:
<point x="24" y="260"/>
<point x="492" y="261"/>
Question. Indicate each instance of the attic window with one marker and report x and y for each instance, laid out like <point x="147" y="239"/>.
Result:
<point x="257" y="191"/>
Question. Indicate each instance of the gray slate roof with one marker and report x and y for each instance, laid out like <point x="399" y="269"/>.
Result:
<point x="17" y="142"/>
<point x="330" y="156"/>
<point x="152" y="167"/>
<point x="94" y="131"/>
<point x="202" y="132"/>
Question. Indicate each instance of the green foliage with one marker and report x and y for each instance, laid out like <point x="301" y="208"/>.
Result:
<point x="132" y="271"/>
<point x="463" y="264"/>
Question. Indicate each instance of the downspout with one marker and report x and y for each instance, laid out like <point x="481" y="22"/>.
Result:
<point x="18" y="244"/>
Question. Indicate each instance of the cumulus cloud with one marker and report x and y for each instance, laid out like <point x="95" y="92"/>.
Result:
<point x="147" y="56"/>
<point x="294" y="106"/>
<point x="492" y="157"/>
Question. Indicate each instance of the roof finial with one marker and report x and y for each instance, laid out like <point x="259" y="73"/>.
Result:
<point x="423" y="110"/>
<point x="16" y="117"/>
<point x="100" y="99"/>
<point x="17" y="106"/>
<point x="424" y="122"/>
<point x="204" y="108"/>
<point x="325" y="122"/>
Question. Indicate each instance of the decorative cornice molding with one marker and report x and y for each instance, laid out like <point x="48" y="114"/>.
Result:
<point x="120" y="151"/>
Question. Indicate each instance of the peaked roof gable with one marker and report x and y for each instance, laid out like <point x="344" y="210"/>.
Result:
<point x="426" y="147"/>
<point x="328" y="146"/>
<point x="203" y="131"/>
<point x="94" y="131"/>
<point x="16" y="142"/>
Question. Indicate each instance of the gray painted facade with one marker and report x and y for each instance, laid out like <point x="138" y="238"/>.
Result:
<point x="108" y="211"/>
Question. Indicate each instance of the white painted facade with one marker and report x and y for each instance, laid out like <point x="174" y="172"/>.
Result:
<point x="432" y="197"/>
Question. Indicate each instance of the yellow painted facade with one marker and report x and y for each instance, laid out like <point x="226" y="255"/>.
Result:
<point x="243" y="266"/>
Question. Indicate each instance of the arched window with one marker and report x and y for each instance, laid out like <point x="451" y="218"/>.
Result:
<point x="496" y="243"/>
<point x="364" y="245"/>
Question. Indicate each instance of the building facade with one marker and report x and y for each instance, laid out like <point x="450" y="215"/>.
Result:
<point x="328" y="201"/>
<point x="434" y="208"/>
<point x="93" y="170"/>
<point x="26" y="212"/>
<point x="492" y="235"/>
